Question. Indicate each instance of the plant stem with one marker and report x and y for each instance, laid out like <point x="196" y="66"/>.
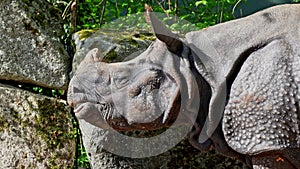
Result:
<point x="102" y="13"/>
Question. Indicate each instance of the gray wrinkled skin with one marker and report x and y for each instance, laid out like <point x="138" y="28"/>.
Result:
<point x="138" y="94"/>
<point x="248" y="77"/>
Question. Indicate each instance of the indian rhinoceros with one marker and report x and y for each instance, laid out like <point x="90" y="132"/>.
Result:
<point x="246" y="76"/>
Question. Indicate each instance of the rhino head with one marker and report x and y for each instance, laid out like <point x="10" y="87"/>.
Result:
<point x="144" y="93"/>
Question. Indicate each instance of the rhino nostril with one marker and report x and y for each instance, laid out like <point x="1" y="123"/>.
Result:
<point x="71" y="103"/>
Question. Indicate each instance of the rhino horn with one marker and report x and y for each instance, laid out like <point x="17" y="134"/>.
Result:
<point x="162" y="32"/>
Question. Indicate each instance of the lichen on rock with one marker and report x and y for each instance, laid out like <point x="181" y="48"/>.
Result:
<point x="114" y="47"/>
<point x="37" y="131"/>
<point x="33" y="52"/>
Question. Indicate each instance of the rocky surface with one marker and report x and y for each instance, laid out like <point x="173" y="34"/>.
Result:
<point x="32" y="52"/>
<point x="114" y="47"/>
<point x="182" y="155"/>
<point x="35" y="131"/>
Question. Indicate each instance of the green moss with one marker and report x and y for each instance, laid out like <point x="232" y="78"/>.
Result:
<point x="112" y="34"/>
<point x="130" y="41"/>
<point x="50" y="124"/>
<point x="121" y="35"/>
<point x="125" y="43"/>
<point x="14" y="119"/>
<point x="3" y="124"/>
<point x="110" y="56"/>
<point x="83" y="34"/>
<point x="145" y="36"/>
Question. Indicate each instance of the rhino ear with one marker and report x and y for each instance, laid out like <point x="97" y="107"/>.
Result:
<point x="93" y="56"/>
<point x="162" y="32"/>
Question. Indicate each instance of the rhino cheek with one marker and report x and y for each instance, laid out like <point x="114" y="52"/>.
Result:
<point x="142" y="109"/>
<point x="151" y="105"/>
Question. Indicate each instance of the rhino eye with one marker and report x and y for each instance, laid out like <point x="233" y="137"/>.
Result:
<point x="156" y="80"/>
<point x="154" y="84"/>
<point x="132" y="92"/>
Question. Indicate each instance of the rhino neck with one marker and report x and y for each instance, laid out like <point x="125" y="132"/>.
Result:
<point x="217" y="139"/>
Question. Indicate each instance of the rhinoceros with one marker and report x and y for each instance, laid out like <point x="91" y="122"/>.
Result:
<point x="244" y="74"/>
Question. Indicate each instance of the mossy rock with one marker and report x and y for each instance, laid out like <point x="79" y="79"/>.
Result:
<point x="35" y="132"/>
<point x="114" y="47"/>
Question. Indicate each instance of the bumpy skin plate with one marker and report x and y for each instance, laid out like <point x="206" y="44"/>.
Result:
<point x="259" y="58"/>
<point x="263" y="110"/>
<point x="263" y="113"/>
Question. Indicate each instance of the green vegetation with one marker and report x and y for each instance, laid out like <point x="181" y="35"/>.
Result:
<point x="93" y="14"/>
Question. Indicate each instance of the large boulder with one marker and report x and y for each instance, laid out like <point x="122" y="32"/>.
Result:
<point x="31" y="51"/>
<point x="115" y="47"/>
<point x="35" y="131"/>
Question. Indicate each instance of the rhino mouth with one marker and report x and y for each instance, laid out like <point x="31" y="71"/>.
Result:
<point x="90" y="112"/>
<point x="82" y="106"/>
<point x="166" y="119"/>
<point x="105" y="116"/>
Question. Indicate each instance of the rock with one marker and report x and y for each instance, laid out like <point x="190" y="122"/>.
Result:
<point x="95" y="139"/>
<point x="182" y="155"/>
<point x="32" y="52"/>
<point x="114" y="47"/>
<point x="35" y="131"/>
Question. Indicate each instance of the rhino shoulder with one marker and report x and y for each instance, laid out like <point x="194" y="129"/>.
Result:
<point x="263" y="111"/>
